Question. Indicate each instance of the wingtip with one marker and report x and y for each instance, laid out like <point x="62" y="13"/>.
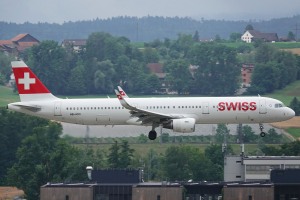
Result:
<point x="117" y="92"/>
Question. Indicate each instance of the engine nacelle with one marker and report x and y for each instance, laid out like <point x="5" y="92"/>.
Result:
<point x="185" y="125"/>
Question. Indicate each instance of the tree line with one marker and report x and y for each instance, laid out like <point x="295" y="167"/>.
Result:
<point x="146" y="29"/>
<point x="192" y="67"/>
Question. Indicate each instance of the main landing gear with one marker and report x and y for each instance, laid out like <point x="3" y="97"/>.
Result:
<point x="262" y="133"/>
<point x="152" y="134"/>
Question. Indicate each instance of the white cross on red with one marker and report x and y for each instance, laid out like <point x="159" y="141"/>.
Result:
<point x="26" y="81"/>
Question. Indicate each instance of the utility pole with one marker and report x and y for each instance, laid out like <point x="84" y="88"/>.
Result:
<point x="296" y="31"/>
<point x="241" y="138"/>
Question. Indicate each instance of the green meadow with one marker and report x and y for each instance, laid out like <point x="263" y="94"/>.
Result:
<point x="287" y="94"/>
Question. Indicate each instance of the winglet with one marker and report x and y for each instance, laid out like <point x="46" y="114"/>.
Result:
<point x="123" y="101"/>
<point x="122" y="92"/>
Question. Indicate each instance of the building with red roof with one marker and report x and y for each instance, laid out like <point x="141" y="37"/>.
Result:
<point x="18" y="44"/>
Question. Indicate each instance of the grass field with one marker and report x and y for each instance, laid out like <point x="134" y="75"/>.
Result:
<point x="7" y="96"/>
<point x="295" y="132"/>
<point x="287" y="94"/>
<point x="286" y="45"/>
<point x="280" y="45"/>
<point x="143" y="149"/>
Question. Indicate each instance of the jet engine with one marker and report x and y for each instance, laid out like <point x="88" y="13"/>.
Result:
<point x="184" y="125"/>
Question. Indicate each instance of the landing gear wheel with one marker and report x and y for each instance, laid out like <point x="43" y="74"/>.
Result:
<point x="152" y="135"/>
<point x="262" y="134"/>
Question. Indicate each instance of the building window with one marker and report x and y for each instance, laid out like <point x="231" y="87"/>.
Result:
<point x="158" y="197"/>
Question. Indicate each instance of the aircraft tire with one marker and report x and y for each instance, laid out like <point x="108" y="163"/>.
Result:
<point x="152" y="135"/>
<point x="262" y="134"/>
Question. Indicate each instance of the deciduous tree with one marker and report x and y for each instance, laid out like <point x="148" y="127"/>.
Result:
<point x="41" y="158"/>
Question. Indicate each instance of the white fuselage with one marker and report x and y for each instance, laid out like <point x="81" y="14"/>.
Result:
<point x="206" y="110"/>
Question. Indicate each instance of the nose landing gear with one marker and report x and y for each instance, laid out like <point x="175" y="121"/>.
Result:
<point x="262" y="133"/>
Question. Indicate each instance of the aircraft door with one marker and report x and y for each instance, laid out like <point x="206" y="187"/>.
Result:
<point x="262" y="107"/>
<point x="205" y="108"/>
<point x="57" y="108"/>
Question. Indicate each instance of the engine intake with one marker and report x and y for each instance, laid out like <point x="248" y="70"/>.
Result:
<point x="185" y="125"/>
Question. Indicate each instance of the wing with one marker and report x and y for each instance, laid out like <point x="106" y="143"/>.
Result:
<point x="146" y="116"/>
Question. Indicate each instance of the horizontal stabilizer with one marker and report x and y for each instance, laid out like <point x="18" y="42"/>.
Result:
<point x="33" y="108"/>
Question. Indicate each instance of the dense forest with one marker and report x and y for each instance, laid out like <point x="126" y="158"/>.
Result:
<point x="146" y="29"/>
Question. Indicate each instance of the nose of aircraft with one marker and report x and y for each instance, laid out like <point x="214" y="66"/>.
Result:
<point x="290" y="113"/>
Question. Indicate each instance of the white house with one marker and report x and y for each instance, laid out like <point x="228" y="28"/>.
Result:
<point x="251" y="35"/>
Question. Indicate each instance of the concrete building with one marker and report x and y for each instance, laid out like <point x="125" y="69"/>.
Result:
<point x="248" y="191"/>
<point x="76" y="44"/>
<point x="256" y="168"/>
<point x="282" y="184"/>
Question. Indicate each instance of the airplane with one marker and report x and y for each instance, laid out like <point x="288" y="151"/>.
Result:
<point x="180" y="114"/>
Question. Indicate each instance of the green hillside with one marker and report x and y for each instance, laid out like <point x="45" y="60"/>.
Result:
<point x="288" y="93"/>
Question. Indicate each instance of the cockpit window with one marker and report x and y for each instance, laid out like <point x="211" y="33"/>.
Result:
<point x="278" y="105"/>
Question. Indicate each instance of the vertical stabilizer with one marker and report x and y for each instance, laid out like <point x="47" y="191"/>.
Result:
<point x="29" y="86"/>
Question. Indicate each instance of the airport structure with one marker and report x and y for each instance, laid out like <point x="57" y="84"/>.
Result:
<point x="256" y="168"/>
<point x="127" y="184"/>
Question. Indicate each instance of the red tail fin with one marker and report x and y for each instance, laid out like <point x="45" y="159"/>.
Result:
<point x="29" y="86"/>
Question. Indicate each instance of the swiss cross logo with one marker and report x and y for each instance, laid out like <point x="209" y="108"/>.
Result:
<point x="122" y="93"/>
<point x="26" y="81"/>
<point x="119" y="97"/>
